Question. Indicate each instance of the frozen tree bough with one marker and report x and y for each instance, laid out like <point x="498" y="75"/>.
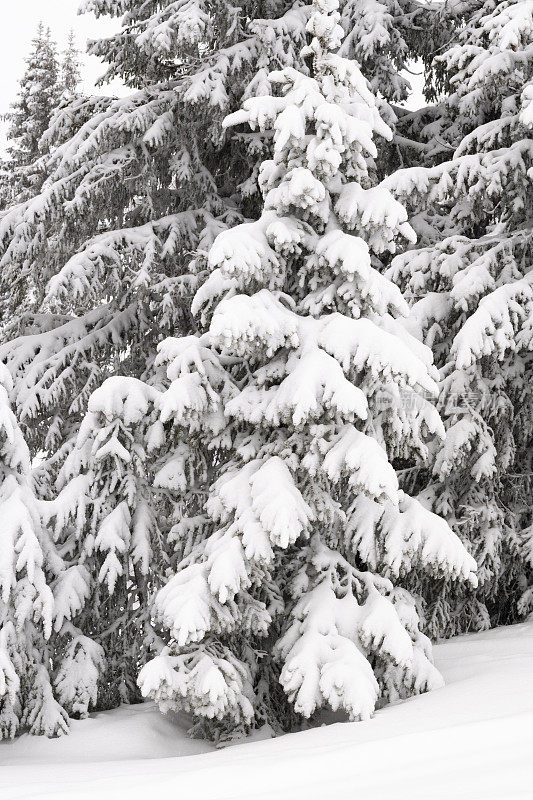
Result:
<point x="292" y="569"/>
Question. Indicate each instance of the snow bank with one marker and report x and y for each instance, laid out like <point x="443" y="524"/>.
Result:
<point x="471" y="740"/>
<point x="129" y="733"/>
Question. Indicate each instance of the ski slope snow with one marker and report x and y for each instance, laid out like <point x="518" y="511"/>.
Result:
<point x="471" y="740"/>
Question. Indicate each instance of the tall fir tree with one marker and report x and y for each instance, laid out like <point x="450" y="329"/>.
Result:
<point x="119" y="545"/>
<point x="30" y="116"/>
<point x="472" y="285"/>
<point x="70" y="78"/>
<point x="283" y="415"/>
<point x="37" y="594"/>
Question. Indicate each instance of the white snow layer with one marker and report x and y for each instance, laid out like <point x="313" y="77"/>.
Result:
<point x="470" y="740"/>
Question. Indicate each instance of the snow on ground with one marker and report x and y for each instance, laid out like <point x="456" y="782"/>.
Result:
<point x="472" y="740"/>
<point x="129" y="733"/>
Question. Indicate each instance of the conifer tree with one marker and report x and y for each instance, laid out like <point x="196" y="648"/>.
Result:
<point x="31" y="114"/>
<point x="118" y="544"/>
<point x="295" y="535"/>
<point x="472" y="285"/>
<point x="32" y="586"/>
<point x="70" y="69"/>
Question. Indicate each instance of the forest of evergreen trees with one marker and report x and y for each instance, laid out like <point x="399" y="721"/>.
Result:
<point x="266" y="359"/>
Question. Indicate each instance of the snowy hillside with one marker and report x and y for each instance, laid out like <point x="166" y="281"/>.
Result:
<point x="470" y="740"/>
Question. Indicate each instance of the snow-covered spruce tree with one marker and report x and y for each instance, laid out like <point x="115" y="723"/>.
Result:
<point x="474" y="306"/>
<point x="70" y="69"/>
<point x="30" y="116"/>
<point x="118" y="544"/>
<point x="291" y="576"/>
<point x="37" y="592"/>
